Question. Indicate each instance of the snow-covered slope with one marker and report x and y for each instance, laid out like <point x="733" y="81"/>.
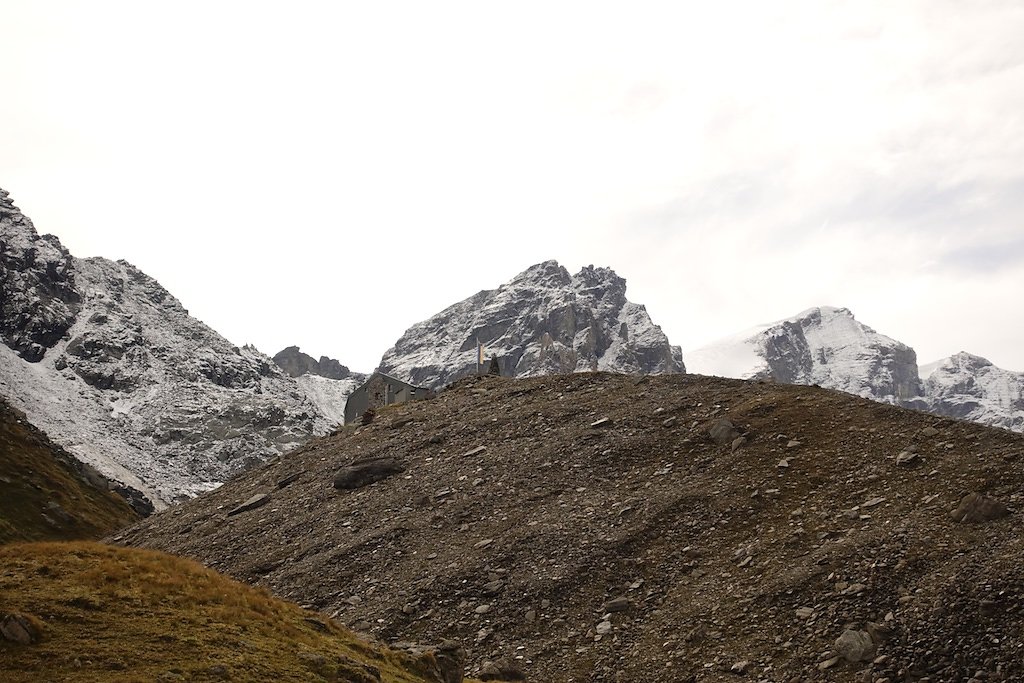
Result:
<point x="972" y="388"/>
<point x="825" y="346"/>
<point x="325" y="382"/>
<point x="114" y="369"/>
<point x="542" y="321"/>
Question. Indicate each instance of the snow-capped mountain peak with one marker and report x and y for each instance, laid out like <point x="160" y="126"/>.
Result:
<point x="973" y="388"/>
<point x="824" y="345"/>
<point x="541" y="321"/>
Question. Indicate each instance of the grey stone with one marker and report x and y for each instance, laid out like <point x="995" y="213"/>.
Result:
<point x="620" y="604"/>
<point x="291" y="478"/>
<point x="361" y="474"/>
<point x="975" y="508"/>
<point x="855" y="646"/>
<point x="907" y="458"/>
<point x="740" y="667"/>
<point x="723" y="432"/>
<point x="504" y="669"/>
<point x="259" y="500"/>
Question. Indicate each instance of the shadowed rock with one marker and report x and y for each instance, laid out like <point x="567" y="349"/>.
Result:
<point x="975" y="508"/>
<point x="18" y="628"/>
<point x="358" y="475"/>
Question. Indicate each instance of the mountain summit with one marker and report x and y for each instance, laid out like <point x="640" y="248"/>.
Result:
<point x="103" y="359"/>
<point x="824" y="345"/>
<point x="543" y="321"/>
<point x="973" y="388"/>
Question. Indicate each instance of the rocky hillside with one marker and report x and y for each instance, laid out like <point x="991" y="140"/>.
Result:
<point x="825" y="346"/>
<point x="46" y="494"/>
<point x="972" y="388"/>
<point x="93" y="613"/>
<point x="597" y="527"/>
<point x="114" y="369"/>
<point x="543" y="321"/>
<point x="325" y="382"/>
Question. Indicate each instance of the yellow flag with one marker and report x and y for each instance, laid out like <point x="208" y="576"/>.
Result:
<point x="479" y="353"/>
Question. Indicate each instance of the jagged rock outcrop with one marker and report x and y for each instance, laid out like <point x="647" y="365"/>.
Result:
<point x="296" y="363"/>
<point x="826" y="346"/>
<point x="37" y="280"/>
<point x="103" y="358"/>
<point x="972" y="388"/>
<point x="542" y="321"/>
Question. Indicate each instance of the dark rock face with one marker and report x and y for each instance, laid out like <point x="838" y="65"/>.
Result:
<point x="296" y="363"/>
<point x="543" y="321"/>
<point x="40" y="301"/>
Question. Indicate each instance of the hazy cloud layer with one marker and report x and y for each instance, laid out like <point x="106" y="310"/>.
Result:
<point x="281" y="167"/>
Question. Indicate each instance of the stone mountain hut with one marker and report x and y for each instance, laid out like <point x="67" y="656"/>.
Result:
<point x="379" y="391"/>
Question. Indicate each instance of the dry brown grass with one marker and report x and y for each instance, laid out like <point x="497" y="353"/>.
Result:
<point x="117" y="614"/>
<point x="42" y="497"/>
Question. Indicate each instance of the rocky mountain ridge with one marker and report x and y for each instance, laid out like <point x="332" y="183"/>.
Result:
<point x="296" y="363"/>
<point x="113" y="368"/>
<point x="542" y="321"/>
<point x="828" y="347"/>
<point x="972" y="388"/>
<point x="597" y="527"/>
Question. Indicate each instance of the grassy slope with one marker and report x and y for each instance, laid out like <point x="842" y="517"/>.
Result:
<point x="35" y="477"/>
<point x="117" y="614"/>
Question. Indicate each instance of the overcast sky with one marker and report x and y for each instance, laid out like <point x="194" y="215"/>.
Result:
<point x="328" y="173"/>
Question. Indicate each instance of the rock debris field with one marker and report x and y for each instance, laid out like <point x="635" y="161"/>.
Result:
<point x="598" y="527"/>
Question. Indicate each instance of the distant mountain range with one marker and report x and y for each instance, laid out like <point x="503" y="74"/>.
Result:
<point x="112" y="367"/>
<point x="827" y="346"/>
